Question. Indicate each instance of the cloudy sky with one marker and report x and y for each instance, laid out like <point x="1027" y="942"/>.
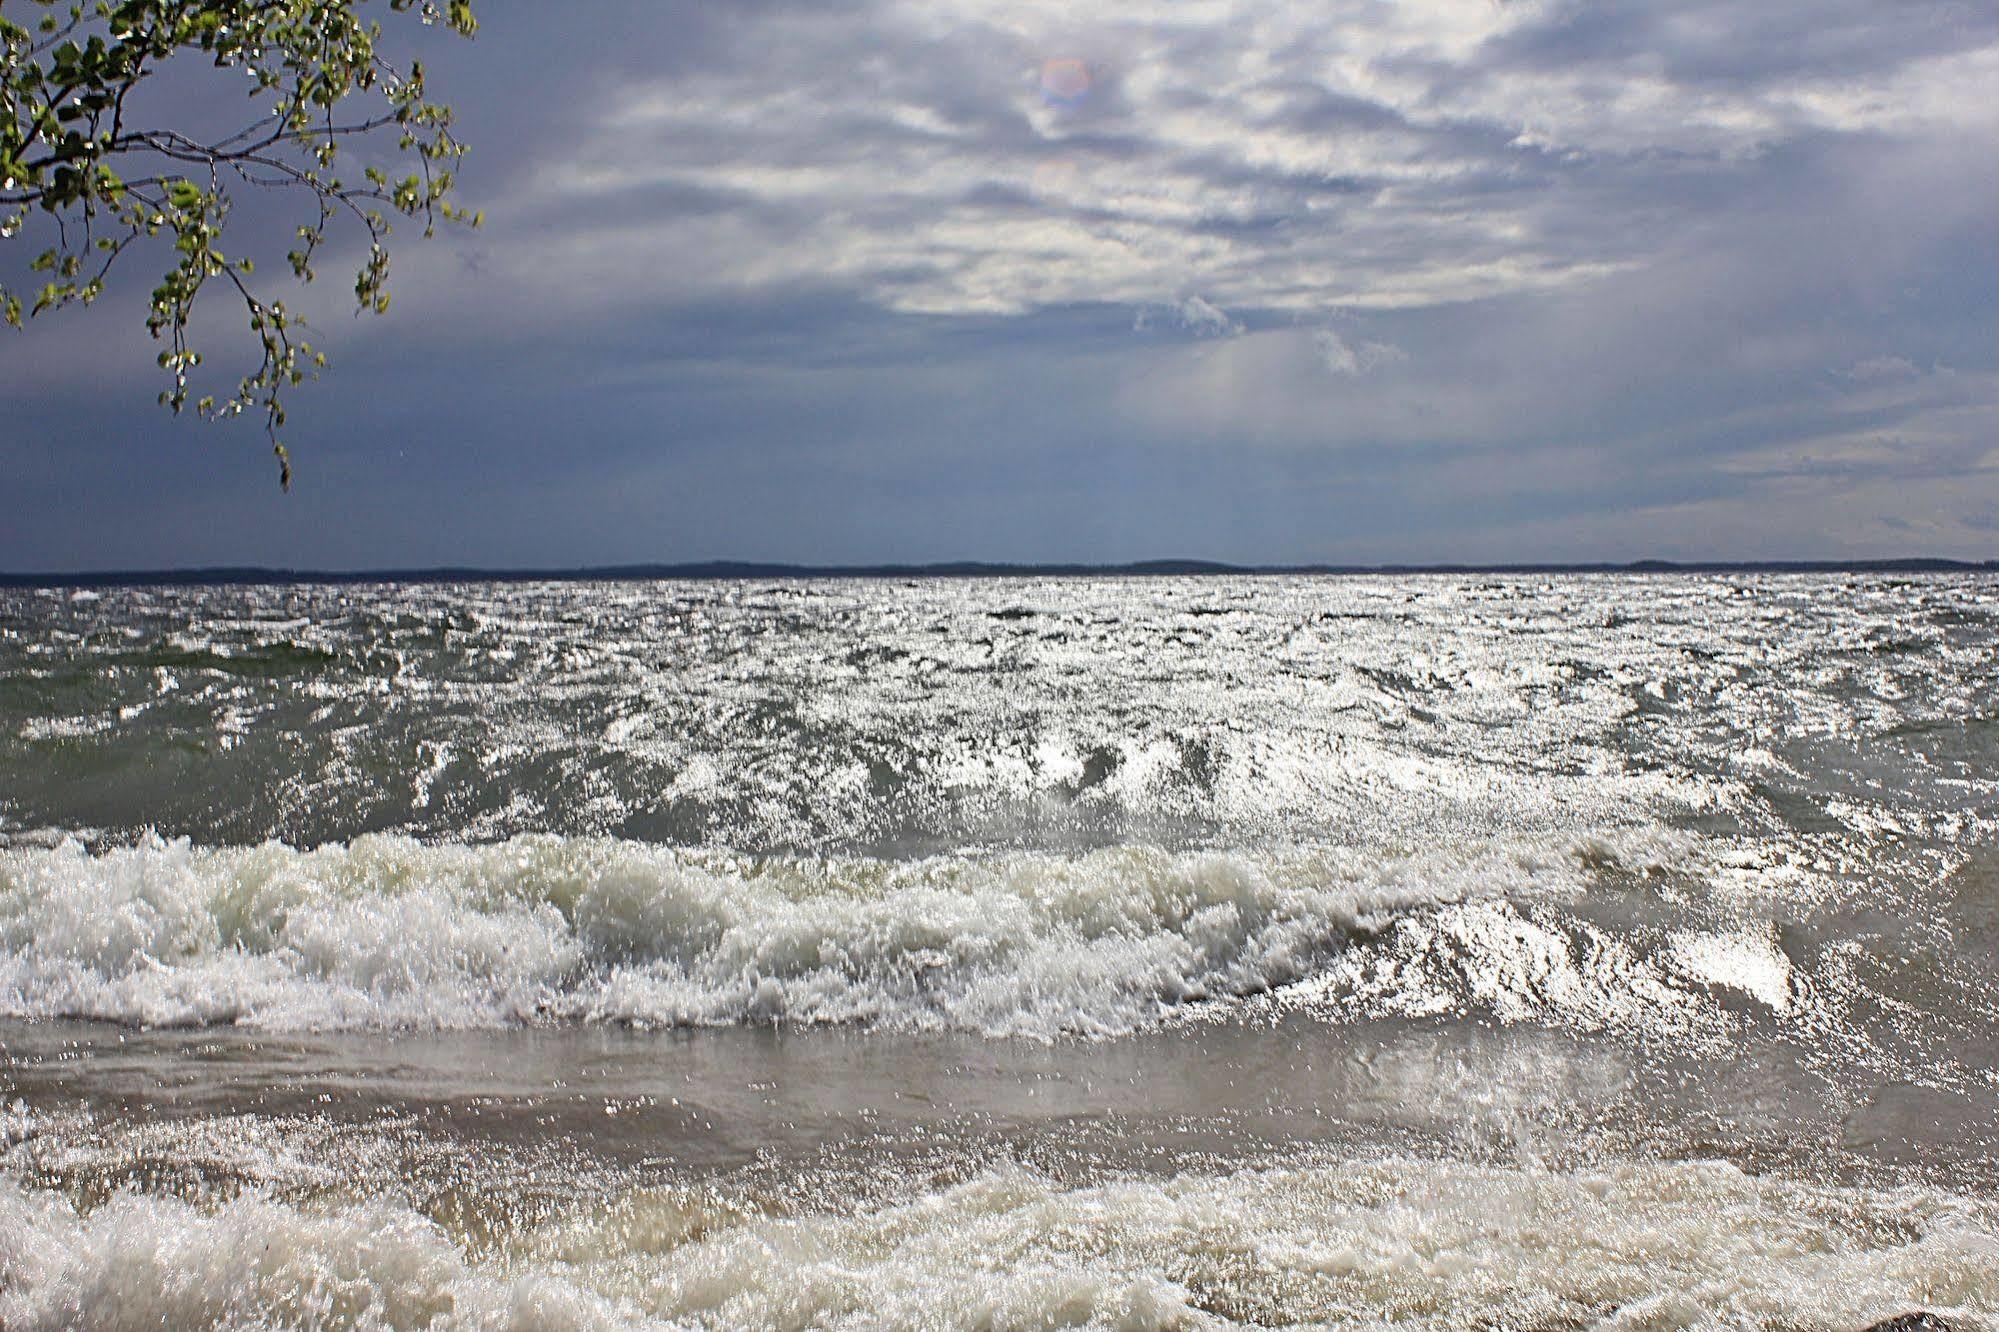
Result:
<point x="1354" y="281"/>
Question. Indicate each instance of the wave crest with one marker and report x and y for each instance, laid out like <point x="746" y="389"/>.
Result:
<point x="1363" y="1243"/>
<point x="389" y="932"/>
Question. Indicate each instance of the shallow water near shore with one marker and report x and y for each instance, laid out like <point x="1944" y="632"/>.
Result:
<point x="1438" y="1173"/>
<point x="1132" y="952"/>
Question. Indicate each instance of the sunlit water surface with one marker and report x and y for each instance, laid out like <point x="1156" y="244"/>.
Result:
<point x="1445" y="952"/>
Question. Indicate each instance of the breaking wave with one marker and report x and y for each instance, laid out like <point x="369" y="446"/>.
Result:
<point x="387" y="932"/>
<point x="1395" y="1241"/>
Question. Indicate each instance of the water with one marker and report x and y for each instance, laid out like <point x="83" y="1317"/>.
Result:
<point x="1451" y="952"/>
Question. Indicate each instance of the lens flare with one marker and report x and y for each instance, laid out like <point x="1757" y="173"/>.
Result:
<point x="1066" y="81"/>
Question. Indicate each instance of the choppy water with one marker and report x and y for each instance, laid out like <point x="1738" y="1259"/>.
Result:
<point x="1456" y="952"/>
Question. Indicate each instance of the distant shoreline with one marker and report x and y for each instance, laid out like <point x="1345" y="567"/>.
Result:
<point x="738" y="570"/>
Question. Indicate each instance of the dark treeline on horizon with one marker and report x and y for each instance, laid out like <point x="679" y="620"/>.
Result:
<point x="731" y="570"/>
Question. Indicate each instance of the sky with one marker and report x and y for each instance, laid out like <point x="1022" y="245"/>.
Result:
<point x="1266" y="282"/>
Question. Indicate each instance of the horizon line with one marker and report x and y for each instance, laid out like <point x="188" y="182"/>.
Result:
<point x="740" y="570"/>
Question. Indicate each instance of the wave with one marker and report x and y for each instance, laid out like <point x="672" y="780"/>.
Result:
<point x="855" y="717"/>
<point x="1394" y="1241"/>
<point x="387" y="932"/>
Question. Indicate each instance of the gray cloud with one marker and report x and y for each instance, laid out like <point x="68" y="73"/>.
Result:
<point x="1271" y="158"/>
<point x="1462" y="279"/>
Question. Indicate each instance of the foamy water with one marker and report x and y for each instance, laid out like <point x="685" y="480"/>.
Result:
<point x="1689" y="884"/>
<point x="391" y="932"/>
<point x="1397" y="1240"/>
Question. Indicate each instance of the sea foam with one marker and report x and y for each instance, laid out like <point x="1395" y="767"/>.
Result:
<point x="388" y="932"/>
<point x="1390" y="1241"/>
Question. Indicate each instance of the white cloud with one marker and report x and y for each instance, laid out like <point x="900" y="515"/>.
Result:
<point x="1273" y="157"/>
<point x="1344" y="358"/>
<point x="1876" y="369"/>
<point x="1192" y="315"/>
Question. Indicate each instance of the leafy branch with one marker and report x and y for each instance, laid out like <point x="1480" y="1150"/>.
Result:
<point x="74" y="166"/>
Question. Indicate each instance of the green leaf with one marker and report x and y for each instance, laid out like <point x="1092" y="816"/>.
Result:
<point x="64" y="109"/>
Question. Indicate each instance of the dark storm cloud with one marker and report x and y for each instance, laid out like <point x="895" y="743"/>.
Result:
<point x="1460" y="279"/>
<point x="1724" y="43"/>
